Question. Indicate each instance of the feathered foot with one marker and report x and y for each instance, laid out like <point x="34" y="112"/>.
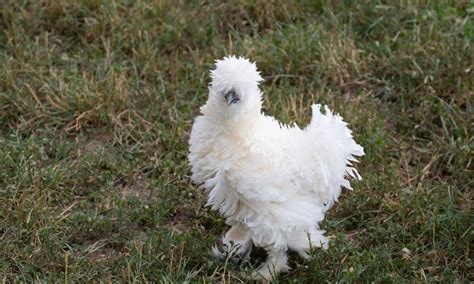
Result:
<point x="275" y="263"/>
<point x="236" y="243"/>
<point x="304" y="241"/>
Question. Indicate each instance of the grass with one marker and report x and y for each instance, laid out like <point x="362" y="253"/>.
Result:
<point x="97" y="99"/>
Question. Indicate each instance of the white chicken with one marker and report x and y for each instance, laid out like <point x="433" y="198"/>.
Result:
<point x="271" y="182"/>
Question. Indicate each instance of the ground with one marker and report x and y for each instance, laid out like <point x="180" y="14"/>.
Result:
<point x="97" y="99"/>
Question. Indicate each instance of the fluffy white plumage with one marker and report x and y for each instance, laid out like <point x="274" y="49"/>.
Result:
<point x="273" y="183"/>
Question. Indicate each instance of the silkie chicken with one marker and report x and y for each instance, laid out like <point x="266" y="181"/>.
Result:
<point x="271" y="182"/>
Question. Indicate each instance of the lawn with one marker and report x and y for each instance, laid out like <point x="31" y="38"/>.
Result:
<point x="97" y="99"/>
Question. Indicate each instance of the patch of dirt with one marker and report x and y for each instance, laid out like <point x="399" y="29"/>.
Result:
<point x="101" y="139"/>
<point x="138" y="187"/>
<point x="100" y="252"/>
<point x="87" y="144"/>
<point x="175" y="226"/>
<point x="178" y="222"/>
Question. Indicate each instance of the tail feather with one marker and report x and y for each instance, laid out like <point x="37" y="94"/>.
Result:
<point x="334" y="147"/>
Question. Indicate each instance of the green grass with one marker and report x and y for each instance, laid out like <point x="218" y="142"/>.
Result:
<point x="97" y="99"/>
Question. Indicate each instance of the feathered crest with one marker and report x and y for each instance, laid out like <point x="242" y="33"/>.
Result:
<point x="232" y="70"/>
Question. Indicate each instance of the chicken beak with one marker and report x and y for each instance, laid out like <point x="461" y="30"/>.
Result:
<point x="231" y="97"/>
